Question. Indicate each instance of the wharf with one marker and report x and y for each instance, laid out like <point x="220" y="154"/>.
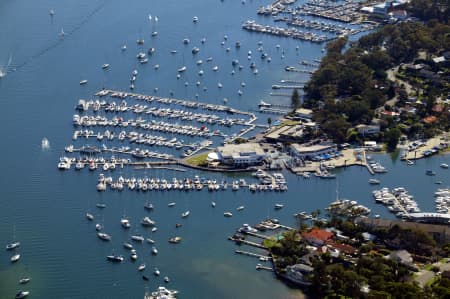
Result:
<point x="241" y="241"/>
<point x="441" y="142"/>
<point x="273" y="110"/>
<point x="252" y="254"/>
<point x="253" y="234"/>
<point x="276" y="86"/>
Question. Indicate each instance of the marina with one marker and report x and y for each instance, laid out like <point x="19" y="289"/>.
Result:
<point x="144" y="134"/>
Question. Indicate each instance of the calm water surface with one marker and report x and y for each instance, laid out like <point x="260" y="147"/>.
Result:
<point x="44" y="208"/>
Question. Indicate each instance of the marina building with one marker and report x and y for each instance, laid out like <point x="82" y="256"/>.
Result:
<point x="310" y="152"/>
<point x="238" y="155"/>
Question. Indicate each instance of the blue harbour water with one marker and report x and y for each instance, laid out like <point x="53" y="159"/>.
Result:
<point x="44" y="208"/>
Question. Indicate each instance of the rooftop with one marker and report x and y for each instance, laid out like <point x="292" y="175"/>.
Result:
<point x="240" y="149"/>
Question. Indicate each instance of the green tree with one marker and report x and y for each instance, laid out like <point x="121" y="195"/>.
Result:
<point x="392" y="137"/>
<point x="295" y="99"/>
<point x="269" y="121"/>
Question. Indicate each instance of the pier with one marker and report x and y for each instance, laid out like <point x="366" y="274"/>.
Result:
<point x="253" y="234"/>
<point x="253" y="254"/>
<point x="276" y="86"/>
<point x="242" y="241"/>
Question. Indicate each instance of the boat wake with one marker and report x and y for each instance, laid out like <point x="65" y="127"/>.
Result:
<point x="4" y="69"/>
<point x="45" y="144"/>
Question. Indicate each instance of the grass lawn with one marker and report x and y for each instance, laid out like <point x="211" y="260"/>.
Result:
<point x="198" y="160"/>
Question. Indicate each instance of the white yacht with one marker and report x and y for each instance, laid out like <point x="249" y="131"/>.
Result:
<point x="227" y="214"/>
<point x="104" y="236"/>
<point x="22" y="294"/>
<point x="83" y="82"/>
<point x="146" y="221"/>
<point x="141" y="267"/>
<point x="172" y="204"/>
<point x="182" y="69"/>
<point x="24" y="280"/>
<point x="185" y="214"/>
<point x="12" y="245"/>
<point x="89" y="216"/>
<point x="105" y="66"/>
<point x="195" y="19"/>
<point x="278" y="206"/>
<point x="137" y="238"/>
<point x="154" y="250"/>
<point x="15" y="258"/>
<point x="444" y="165"/>
<point x="240" y="208"/>
<point x="156" y="272"/>
<point x="213" y="204"/>
<point x="125" y="222"/>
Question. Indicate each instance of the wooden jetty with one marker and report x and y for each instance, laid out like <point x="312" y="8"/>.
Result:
<point x="241" y="241"/>
<point x="252" y="254"/>
<point x="254" y="234"/>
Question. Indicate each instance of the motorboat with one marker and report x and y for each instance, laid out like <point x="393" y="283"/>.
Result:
<point x="172" y="204"/>
<point x="114" y="258"/>
<point x="430" y="172"/>
<point x="146" y="221"/>
<point x="213" y="204"/>
<point x="98" y="227"/>
<point x="240" y="208"/>
<point x="12" y="245"/>
<point x="150" y="241"/>
<point x="195" y="50"/>
<point x="137" y="238"/>
<point x="166" y="279"/>
<point x="101" y="205"/>
<point x="148" y="206"/>
<point x="154" y="250"/>
<point x="105" y="66"/>
<point x="374" y="182"/>
<point x="104" y="236"/>
<point x="227" y="214"/>
<point x="185" y="214"/>
<point x="141" y="267"/>
<point x="444" y="165"/>
<point x="195" y="19"/>
<point x="89" y="216"/>
<point x="182" y="69"/>
<point x="140" y="41"/>
<point x="22" y="294"/>
<point x="15" y="258"/>
<point x="125" y="223"/>
<point x="215" y="68"/>
<point x="25" y="280"/>
<point x="175" y="240"/>
<point x="278" y="206"/>
<point x="133" y="255"/>
<point x="83" y="82"/>
<point x="156" y="272"/>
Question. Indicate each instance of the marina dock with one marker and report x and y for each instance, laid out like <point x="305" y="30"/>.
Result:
<point x="253" y="254"/>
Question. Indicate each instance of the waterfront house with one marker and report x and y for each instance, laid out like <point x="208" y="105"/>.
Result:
<point x="368" y="129"/>
<point x="317" y="237"/>
<point x="297" y="274"/>
<point x="401" y="256"/>
<point x="303" y="113"/>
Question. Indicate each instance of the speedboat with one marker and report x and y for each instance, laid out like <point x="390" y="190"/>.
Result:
<point x="141" y="267"/>
<point x="25" y="280"/>
<point x="213" y="204"/>
<point x="154" y="250"/>
<point x="104" y="236"/>
<point x="98" y="227"/>
<point x="83" y="82"/>
<point x="195" y="19"/>
<point x="101" y="205"/>
<point x="12" y="245"/>
<point x="278" y="206"/>
<point x="166" y="279"/>
<point x="154" y="229"/>
<point x="15" y="258"/>
<point x="89" y="216"/>
<point x="227" y="214"/>
<point x="215" y="68"/>
<point x="185" y="214"/>
<point x="374" y="182"/>
<point x="133" y="255"/>
<point x="444" y="165"/>
<point x="150" y="241"/>
<point x="22" y="294"/>
<point x="137" y="238"/>
<point x="182" y="69"/>
<point x="240" y="208"/>
<point x="172" y="204"/>
<point x="105" y="66"/>
<point x="114" y="258"/>
<point x="156" y="272"/>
